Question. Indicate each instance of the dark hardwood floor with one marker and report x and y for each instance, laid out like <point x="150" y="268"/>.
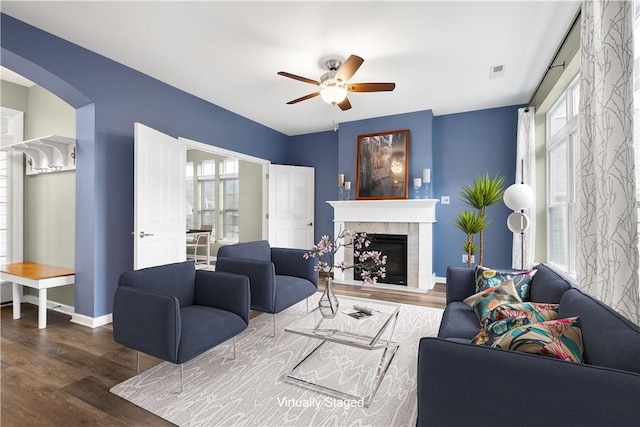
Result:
<point x="61" y="375"/>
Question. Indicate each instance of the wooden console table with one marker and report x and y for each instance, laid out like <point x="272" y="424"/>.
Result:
<point x="37" y="276"/>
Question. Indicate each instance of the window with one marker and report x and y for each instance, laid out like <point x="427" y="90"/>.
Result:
<point x="230" y="216"/>
<point x="214" y="198"/>
<point x="562" y="146"/>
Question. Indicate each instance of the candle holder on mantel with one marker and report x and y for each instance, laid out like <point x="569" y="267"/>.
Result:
<point x="417" y="183"/>
<point x="426" y="180"/>
<point x="345" y="191"/>
<point x="344" y="188"/>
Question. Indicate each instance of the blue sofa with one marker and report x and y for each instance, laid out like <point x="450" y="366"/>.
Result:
<point x="460" y="383"/>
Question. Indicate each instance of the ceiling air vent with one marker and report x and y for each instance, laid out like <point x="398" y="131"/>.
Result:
<point x="496" y="71"/>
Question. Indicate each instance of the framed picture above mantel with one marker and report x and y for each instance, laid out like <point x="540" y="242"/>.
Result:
<point x="383" y="165"/>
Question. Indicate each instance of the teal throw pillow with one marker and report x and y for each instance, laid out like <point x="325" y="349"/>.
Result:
<point x="561" y="339"/>
<point x="534" y="311"/>
<point x="487" y="300"/>
<point x="487" y="278"/>
<point x="496" y="329"/>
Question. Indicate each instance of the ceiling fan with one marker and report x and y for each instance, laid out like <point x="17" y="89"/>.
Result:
<point x="333" y="86"/>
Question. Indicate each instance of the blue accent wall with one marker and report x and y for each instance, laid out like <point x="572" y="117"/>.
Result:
<point x="466" y="145"/>
<point x="109" y="98"/>
<point x="319" y="150"/>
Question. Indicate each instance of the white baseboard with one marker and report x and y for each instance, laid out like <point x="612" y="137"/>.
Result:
<point x="80" y="319"/>
<point x="92" y="322"/>
<point x="440" y="279"/>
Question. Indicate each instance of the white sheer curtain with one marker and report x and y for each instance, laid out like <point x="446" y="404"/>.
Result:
<point x="607" y="257"/>
<point x="525" y="172"/>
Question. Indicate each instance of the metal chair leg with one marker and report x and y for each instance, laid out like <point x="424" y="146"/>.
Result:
<point x="181" y="377"/>
<point x="274" y="325"/>
<point x="233" y="349"/>
<point x="137" y="362"/>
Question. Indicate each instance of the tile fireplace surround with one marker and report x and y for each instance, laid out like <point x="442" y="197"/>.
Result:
<point x="413" y="218"/>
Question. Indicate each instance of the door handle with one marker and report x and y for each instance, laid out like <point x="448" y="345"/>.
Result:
<point x="143" y="235"/>
<point x="310" y="224"/>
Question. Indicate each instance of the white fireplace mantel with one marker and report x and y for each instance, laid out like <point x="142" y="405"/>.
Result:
<point x="420" y="212"/>
<point x="410" y="210"/>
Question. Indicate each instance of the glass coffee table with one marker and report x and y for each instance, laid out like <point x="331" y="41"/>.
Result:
<point x="354" y="352"/>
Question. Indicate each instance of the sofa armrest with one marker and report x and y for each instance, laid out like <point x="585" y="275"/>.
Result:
<point x="147" y="321"/>
<point x="461" y="283"/>
<point x="261" y="276"/>
<point x="291" y="262"/>
<point x="227" y="291"/>
<point x="466" y="384"/>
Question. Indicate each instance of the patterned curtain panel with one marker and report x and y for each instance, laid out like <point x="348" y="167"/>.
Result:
<point x="526" y="172"/>
<point x="607" y="257"/>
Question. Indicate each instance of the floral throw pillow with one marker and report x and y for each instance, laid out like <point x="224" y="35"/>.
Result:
<point x="495" y="330"/>
<point x="561" y="338"/>
<point x="534" y="311"/>
<point x="485" y="301"/>
<point x="487" y="278"/>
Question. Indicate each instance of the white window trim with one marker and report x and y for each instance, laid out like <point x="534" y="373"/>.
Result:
<point x="564" y="135"/>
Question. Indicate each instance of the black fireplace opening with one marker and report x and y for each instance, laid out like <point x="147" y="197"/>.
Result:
<point x="394" y="246"/>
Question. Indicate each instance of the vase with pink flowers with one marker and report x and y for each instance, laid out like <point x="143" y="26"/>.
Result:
<point x="370" y="264"/>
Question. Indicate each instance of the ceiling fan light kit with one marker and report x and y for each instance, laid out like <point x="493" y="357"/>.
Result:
<point x="333" y="93"/>
<point x="333" y="87"/>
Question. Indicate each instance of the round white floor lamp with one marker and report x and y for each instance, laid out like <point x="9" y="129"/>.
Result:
<point x="519" y="197"/>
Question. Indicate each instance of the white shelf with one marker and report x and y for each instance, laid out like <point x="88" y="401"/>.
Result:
<point x="51" y="153"/>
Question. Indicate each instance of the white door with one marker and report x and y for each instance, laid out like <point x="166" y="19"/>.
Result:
<point x="291" y="204"/>
<point x="159" y="198"/>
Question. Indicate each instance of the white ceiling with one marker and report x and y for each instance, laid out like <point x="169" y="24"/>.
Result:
<point x="438" y="53"/>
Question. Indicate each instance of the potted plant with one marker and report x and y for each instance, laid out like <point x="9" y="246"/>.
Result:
<point x="471" y="223"/>
<point x="484" y="192"/>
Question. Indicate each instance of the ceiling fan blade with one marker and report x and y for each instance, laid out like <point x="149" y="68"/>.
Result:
<point x="302" y="79"/>
<point x="349" y="68"/>
<point x="371" y="87"/>
<point x="345" y="104"/>
<point x="304" y="98"/>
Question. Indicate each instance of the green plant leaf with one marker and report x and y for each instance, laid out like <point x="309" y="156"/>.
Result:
<point x="470" y="222"/>
<point x="466" y="245"/>
<point x="484" y="192"/>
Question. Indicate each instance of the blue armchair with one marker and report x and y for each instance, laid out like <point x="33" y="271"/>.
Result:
<point x="278" y="277"/>
<point x="175" y="313"/>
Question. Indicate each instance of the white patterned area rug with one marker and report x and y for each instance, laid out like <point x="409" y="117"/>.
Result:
<point x="250" y="390"/>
